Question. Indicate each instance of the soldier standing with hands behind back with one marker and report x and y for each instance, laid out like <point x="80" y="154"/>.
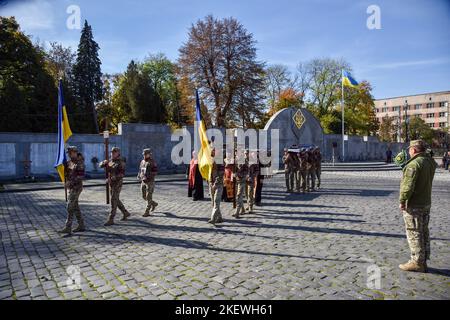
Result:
<point x="74" y="173"/>
<point x="147" y="173"/>
<point x="116" y="171"/>
<point x="415" y="203"/>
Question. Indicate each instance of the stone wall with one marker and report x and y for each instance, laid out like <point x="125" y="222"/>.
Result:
<point x="40" y="148"/>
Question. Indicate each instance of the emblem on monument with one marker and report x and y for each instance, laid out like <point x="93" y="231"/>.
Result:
<point x="299" y="118"/>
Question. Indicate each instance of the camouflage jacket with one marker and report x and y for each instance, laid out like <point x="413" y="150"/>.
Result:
<point x="303" y="159"/>
<point x="417" y="180"/>
<point x="116" y="169"/>
<point x="318" y="160"/>
<point x="75" y="171"/>
<point x="148" y="169"/>
<point x="241" y="171"/>
<point x="217" y="173"/>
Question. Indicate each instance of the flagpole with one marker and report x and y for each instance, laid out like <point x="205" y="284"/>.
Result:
<point x="342" y="107"/>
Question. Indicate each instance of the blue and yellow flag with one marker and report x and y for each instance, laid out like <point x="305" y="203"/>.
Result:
<point x="348" y="80"/>
<point x="204" y="154"/>
<point x="64" y="133"/>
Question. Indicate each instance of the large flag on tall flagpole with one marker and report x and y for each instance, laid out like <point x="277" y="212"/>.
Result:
<point x="64" y="133"/>
<point x="204" y="154"/>
<point x="348" y="80"/>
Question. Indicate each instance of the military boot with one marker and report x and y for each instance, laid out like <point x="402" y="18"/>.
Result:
<point x="81" y="228"/>
<point x="110" y="222"/>
<point x="125" y="216"/>
<point x="413" y="266"/>
<point x="66" y="230"/>
<point x="146" y="213"/>
<point x="154" y="205"/>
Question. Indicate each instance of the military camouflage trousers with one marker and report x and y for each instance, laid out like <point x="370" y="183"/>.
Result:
<point x="216" y="196"/>
<point x="147" y="189"/>
<point x="250" y="191"/>
<point x="289" y="176"/>
<point x="73" y="209"/>
<point x="417" y="233"/>
<point x="318" y="175"/>
<point x="115" y="189"/>
<point x="311" y="179"/>
<point x="300" y="180"/>
<point x="240" y="190"/>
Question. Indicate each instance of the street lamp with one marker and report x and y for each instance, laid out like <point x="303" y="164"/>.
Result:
<point x="406" y="122"/>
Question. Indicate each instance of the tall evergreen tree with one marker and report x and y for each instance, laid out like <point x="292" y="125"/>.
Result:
<point x="87" y="81"/>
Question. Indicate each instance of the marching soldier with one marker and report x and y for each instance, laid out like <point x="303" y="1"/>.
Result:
<point x="74" y="173"/>
<point x="241" y="176"/>
<point x="415" y="203"/>
<point x="148" y="170"/>
<point x="303" y="172"/>
<point x="289" y="172"/>
<point x="253" y="172"/>
<point x="318" y="165"/>
<point x="216" y="189"/>
<point x="310" y="170"/>
<point x="116" y="171"/>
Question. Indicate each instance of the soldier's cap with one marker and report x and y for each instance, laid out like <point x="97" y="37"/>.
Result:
<point x="115" y="149"/>
<point x="72" y="148"/>
<point x="417" y="143"/>
<point x="146" y="151"/>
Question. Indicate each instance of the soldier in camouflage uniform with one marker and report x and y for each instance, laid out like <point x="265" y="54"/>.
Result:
<point x="241" y="176"/>
<point x="310" y="171"/>
<point x="318" y="165"/>
<point x="415" y="203"/>
<point x="216" y="189"/>
<point x="116" y="171"/>
<point x="303" y="171"/>
<point x="253" y="172"/>
<point x="74" y="173"/>
<point x="148" y="170"/>
<point x="289" y="170"/>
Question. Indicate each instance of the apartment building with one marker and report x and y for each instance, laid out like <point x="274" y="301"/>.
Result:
<point x="433" y="108"/>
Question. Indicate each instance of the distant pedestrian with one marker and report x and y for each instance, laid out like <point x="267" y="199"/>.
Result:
<point x="389" y="156"/>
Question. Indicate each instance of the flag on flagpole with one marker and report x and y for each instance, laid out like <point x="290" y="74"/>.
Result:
<point x="348" y="80"/>
<point x="64" y="133"/>
<point x="204" y="154"/>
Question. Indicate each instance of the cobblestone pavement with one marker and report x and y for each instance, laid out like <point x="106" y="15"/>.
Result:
<point x="329" y="244"/>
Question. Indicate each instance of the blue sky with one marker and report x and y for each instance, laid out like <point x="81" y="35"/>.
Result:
<point x="410" y="54"/>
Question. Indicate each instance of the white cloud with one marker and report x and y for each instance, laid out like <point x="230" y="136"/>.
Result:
<point x="31" y="15"/>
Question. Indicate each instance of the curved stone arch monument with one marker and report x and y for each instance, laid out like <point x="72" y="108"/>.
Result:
<point x="296" y="126"/>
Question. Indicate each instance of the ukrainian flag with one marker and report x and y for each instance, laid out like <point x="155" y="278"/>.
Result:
<point x="204" y="154"/>
<point x="347" y="80"/>
<point x="64" y="133"/>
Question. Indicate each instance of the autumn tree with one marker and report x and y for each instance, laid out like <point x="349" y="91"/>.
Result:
<point x="220" y="57"/>
<point x="417" y="129"/>
<point x="387" y="129"/>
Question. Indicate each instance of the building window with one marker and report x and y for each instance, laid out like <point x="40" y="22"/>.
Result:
<point x="395" y="108"/>
<point x="430" y="105"/>
<point x="377" y="110"/>
<point x="442" y="104"/>
<point x="430" y="115"/>
<point x="441" y="114"/>
<point x="418" y="116"/>
<point x="442" y="124"/>
<point x="385" y="109"/>
<point x="417" y="107"/>
<point x="431" y="125"/>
